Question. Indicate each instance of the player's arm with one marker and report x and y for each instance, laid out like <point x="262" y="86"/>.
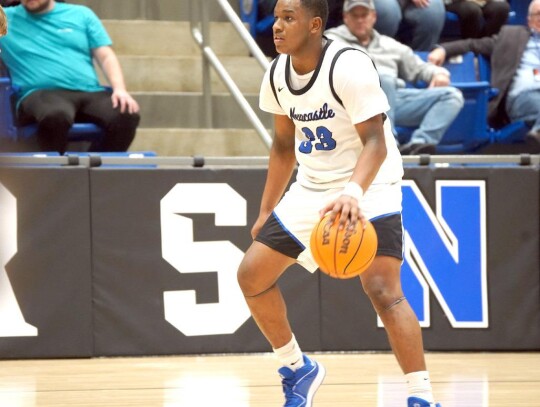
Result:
<point x="281" y="165"/>
<point x="369" y="161"/>
<point x="365" y="112"/>
<point x="371" y="133"/>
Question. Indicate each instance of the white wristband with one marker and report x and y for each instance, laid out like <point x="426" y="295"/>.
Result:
<point x="354" y="190"/>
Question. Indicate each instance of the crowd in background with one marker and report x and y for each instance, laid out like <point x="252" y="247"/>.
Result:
<point x="416" y="23"/>
<point x="391" y="31"/>
<point x="394" y="32"/>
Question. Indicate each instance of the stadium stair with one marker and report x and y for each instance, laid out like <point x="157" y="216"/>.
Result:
<point x="163" y="70"/>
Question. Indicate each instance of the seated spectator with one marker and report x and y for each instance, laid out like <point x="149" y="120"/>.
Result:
<point x="432" y="110"/>
<point x="49" y="53"/>
<point x="479" y="18"/>
<point x="417" y="23"/>
<point x="515" y="63"/>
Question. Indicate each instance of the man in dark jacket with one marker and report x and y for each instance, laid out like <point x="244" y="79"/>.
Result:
<point x="515" y="70"/>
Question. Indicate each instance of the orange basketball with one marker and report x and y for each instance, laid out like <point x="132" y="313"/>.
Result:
<point x="344" y="253"/>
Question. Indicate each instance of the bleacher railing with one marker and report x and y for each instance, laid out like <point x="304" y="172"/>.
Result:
<point x="138" y="160"/>
<point x="200" y="26"/>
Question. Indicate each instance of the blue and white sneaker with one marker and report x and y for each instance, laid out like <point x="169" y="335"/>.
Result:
<point x="416" y="402"/>
<point x="300" y="386"/>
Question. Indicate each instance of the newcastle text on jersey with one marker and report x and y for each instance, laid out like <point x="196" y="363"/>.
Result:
<point x="322" y="114"/>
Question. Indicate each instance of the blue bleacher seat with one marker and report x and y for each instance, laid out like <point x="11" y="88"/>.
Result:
<point x="469" y="131"/>
<point x="9" y="128"/>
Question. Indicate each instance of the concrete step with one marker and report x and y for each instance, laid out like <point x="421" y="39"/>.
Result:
<point x="199" y="142"/>
<point x="151" y="9"/>
<point x="171" y="38"/>
<point x="184" y="74"/>
<point x="185" y="109"/>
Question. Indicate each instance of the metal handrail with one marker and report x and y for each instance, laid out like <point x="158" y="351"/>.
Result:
<point x="97" y="160"/>
<point x="200" y="35"/>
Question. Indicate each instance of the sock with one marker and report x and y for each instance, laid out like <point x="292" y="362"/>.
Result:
<point x="290" y="355"/>
<point x="419" y="385"/>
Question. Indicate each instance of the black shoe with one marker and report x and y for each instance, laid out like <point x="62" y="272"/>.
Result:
<point x="417" y="148"/>
<point x="406" y="149"/>
<point x="427" y="148"/>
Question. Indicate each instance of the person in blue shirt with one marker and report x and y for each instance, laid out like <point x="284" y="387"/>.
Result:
<point x="50" y="52"/>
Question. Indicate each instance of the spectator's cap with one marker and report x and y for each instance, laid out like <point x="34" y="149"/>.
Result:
<point x="348" y="5"/>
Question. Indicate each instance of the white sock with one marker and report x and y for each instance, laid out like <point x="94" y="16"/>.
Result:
<point x="290" y="355"/>
<point x="419" y="385"/>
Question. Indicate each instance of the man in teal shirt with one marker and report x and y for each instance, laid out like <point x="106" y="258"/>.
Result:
<point x="49" y="52"/>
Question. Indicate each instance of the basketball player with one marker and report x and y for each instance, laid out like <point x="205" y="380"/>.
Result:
<point x="332" y="121"/>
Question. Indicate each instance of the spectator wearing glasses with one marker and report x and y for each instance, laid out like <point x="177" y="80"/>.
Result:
<point x="515" y="70"/>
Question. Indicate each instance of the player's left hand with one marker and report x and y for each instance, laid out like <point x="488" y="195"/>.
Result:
<point x="347" y="207"/>
<point x="123" y="100"/>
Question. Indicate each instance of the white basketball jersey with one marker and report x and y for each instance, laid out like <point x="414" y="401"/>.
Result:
<point x="325" y="105"/>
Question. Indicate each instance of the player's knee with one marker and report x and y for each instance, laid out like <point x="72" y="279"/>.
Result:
<point x="252" y="282"/>
<point x="380" y="292"/>
<point x="245" y="277"/>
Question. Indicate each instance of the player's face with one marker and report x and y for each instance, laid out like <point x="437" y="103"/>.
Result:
<point x="292" y="26"/>
<point x="534" y="17"/>
<point x="360" y="21"/>
<point x="37" y="6"/>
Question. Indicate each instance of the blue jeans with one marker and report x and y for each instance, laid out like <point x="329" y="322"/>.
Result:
<point x="526" y="107"/>
<point x="422" y="26"/>
<point x="430" y="110"/>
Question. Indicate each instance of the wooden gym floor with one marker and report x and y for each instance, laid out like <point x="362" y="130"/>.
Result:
<point x="357" y="379"/>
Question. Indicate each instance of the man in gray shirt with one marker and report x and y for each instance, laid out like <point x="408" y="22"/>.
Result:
<point x="429" y="110"/>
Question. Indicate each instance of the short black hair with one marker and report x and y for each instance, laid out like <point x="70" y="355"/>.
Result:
<point x="318" y="8"/>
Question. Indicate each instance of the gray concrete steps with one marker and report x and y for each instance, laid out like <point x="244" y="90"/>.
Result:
<point x="162" y="66"/>
<point x="201" y="142"/>
<point x="151" y="9"/>
<point x="184" y="73"/>
<point x="170" y="38"/>
<point x="186" y="109"/>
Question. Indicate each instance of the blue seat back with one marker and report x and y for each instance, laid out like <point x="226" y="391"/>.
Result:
<point x="7" y="122"/>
